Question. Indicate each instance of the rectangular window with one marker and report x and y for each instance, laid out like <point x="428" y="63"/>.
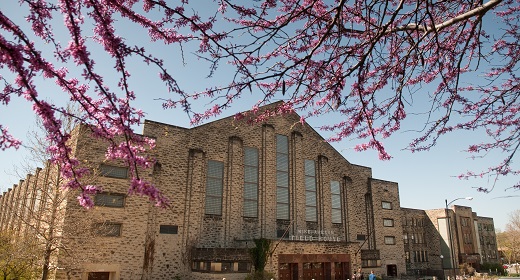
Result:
<point x="107" y="229"/>
<point x="386" y="205"/>
<point x="360" y="237"/>
<point x="250" y="182"/>
<point x="405" y="238"/>
<point x="335" y="193"/>
<point x="214" y="187"/>
<point x="244" y="267"/>
<point x="282" y="177"/>
<point x="388" y="222"/>
<point x="168" y="229"/>
<point x="109" y="200"/>
<point x="390" y="240"/>
<point x="370" y="263"/>
<point x="311" y="214"/>
<point x="113" y="171"/>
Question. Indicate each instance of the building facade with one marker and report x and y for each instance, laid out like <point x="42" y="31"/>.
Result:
<point x="448" y="241"/>
<point x="230" y="183"/>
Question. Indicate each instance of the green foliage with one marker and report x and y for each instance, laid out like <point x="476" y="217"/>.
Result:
<point x="260" y="275"/>
<point x="260" y="253"/>
<point x="18" y="257"/>
<point x="494" y="267"/>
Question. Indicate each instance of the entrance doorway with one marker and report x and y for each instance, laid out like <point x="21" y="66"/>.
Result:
<point x="313" y="266"/>
<point x="98" y="275"/>
<point x="288" y="271"/>
<point x="341" y="271"/>
<point x="313" y="271"/>
<point x="391" y="270"/>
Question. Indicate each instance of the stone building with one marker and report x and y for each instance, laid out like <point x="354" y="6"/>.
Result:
<point x="230" y="183"/>
<point x="441" y="246"/>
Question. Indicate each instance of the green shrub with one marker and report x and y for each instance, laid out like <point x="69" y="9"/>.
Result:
<point x="260" y="275"/>
<point x="494" y="267"/>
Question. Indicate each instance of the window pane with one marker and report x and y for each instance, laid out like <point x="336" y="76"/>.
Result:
<point x="386" y="205"/>
<point x="310" y="214"/>
<point x="250" y="192"/>
<point x="310" y="193"/>
<point x="282" y="179"/>
<point x="282" y="144"/>
<point x="310" y="183"/>
<point x="213" y="205"/>
<point x="251" y="174"/>
<point x="334" y="187"/>
<point x="309" y="168"/>
<point x="310" y="198"/>
<point x="214" y="187"/>
<point x="251" y="208"/>
<point x="390" y="240"/>
<point x="282" y="195"/>
<point x="282" y="162"/>
<point x="250" y="156"/>
<point x="282" y="211"/>
<point x="109" y="200"/>
<point x="168" y="229"/>
<point x="215" y="169"/>
<point x="250" y="182"/>
<point x="336" y="216"/>
<point x="388" y="222"/>
<point x="113" y="171"/>
<point x="336" y="202"/>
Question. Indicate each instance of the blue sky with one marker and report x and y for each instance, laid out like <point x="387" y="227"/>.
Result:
<point x="425" y="179"/>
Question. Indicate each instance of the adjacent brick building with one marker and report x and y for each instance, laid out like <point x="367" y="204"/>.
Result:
<point x="230" y="183"/>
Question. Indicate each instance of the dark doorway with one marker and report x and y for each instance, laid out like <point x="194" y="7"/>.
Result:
<point x="99" y="276"/>
<point x="341" y="271"/>
<point x="391" y="270"/>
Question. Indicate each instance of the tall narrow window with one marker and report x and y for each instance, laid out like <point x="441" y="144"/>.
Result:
<point x="214" y="186"/>
<point x="335" y="194"/>
<point x="310" y="192"/>
<point x="282" y="177"/>
<point x="250" y="182"/>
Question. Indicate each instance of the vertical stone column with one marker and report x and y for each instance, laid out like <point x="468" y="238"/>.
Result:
<point x="267" y="182"/>
<point x="297" y="179"/>
<point x="23" y="204"/>
<point x="32" y="196"/>
<point x="323" y="193"/>
<point x="41" y="189"/>
<point x="9" y="209"/>
<point x="233" y="191"/>
<point x="4" y="208"/>
<point x="15" y="216"/>
<point x="194" y="198"/>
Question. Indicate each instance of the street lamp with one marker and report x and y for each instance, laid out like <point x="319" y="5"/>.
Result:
<point x="442" y="266"/>
<point x="448" y="223"/>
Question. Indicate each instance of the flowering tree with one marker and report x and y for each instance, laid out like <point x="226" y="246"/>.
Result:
<point x="366" y="61"/>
